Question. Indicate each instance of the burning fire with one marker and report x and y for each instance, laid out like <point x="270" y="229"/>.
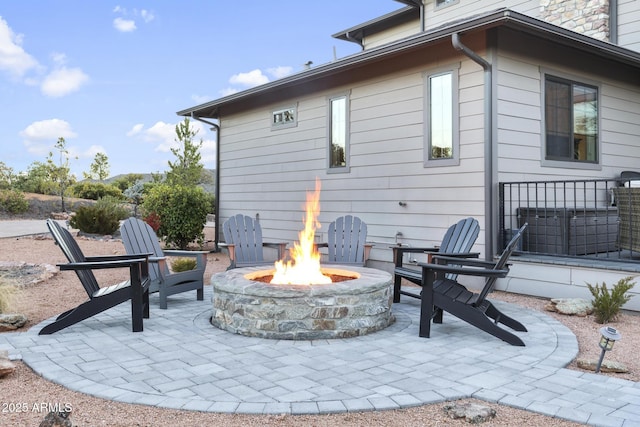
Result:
<point x="305" y="269"/>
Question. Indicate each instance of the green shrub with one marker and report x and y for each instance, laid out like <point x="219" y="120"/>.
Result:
<point x="103" y="217"/>
<point x="183" y="264"/>
<point x="113" y="206"/>
<point x="13" y="201"/>
<point x="607" y="305"/>
<point x="182" y="212"/>
<point x="95" y="190"/>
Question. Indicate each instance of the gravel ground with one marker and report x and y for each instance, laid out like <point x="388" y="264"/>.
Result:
<point x="62" y="291"/>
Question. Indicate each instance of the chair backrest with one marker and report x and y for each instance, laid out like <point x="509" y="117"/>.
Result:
<point x="459" y="239"/>
<point x="246" y="234"/>
<point x="461" y="236"/>
<point x="139" y="238"/>
<point x="346" y="237"/>
<point x="72" y="251"/>
<point x="501" y="263"/>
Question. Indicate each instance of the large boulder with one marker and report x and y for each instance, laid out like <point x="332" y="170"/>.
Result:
<point x="11" y="322"/>
<point x="570" y="306"/>
<point x="471" y="412"/>
<point x="6" y="366"/>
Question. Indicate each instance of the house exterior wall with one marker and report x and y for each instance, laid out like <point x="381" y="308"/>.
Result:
<point x="520" y="126"/>
<point x="589" y="17"/>
<point x="629" y="24"/>
<point x="267" y="172"/>
<point x="397" y="33"/>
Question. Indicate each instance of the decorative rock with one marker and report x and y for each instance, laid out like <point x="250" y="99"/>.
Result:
<point x="57" y="419"/>
<point x="6" y="366"/>
<point x="471" y="412"/>
<point x="11" y="322"/>
<point x="607" y="366"/>
<point x="571" y="306"/>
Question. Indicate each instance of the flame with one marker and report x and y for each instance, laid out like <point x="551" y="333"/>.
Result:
<point x="305" y="269"/>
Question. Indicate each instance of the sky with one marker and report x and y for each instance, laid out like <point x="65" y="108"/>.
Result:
<point x="110" y="76"/>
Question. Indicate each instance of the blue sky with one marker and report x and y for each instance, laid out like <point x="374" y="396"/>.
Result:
<point x="109" y="77"/>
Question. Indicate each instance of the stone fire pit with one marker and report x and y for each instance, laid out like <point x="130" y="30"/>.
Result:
<point x="350" y="308"/>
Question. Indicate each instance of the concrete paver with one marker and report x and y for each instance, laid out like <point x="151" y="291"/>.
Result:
<point x="181" y="361"/>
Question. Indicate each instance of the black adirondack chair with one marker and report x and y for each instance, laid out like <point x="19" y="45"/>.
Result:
<point x="136" y="289"/>
<point x="139" y="238"/>
<point x="457" y="242"/>
<point x="442" y="294"/>
<point x="347" y="244"/>
<point x="243" y="240"/>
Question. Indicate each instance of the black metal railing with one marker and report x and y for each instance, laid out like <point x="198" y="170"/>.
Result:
<point x="597" y="218"/>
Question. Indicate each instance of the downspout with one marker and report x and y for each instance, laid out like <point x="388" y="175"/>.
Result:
<point x="489" y="234"/>
<point x="354" y="40"/>
<point x="613" y="21"/>
<point x="216" y="229"/>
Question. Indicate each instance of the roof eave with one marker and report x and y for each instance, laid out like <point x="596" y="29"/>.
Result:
<point x="501" y="17"/>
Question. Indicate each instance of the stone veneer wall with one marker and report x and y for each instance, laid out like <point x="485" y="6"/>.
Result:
<point x="589" y="17"/>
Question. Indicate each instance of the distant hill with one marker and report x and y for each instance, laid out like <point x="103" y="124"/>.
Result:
<point x="147" y="177"/>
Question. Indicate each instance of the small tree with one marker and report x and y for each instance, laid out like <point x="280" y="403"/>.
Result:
<point x="135" y="194"/>
<point x="182" y="213"/>
<point x="61" y="173"/>
<point x="187" y="169"/>
<point x="99" y="168"/>
<point x="35" y="180"/>
<point x="7" y="177"/>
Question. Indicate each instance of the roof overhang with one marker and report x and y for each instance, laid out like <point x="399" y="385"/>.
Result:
<point x="499" y="18"/>
<point x="357" y="33"/>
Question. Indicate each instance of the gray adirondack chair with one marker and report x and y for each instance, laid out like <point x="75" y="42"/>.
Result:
<point x="139" y="237"/>
<point x="243" y="240"/>
<point x="136" y="289"/>
<point x="457" y="242"/>
<point x="442" y="294"/>
<point x="347" y="244"/>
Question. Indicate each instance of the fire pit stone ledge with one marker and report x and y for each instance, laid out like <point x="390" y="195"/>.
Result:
<point x="344" y="309"/>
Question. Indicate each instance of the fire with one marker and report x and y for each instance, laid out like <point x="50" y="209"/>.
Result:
<point x="305" y="269"/>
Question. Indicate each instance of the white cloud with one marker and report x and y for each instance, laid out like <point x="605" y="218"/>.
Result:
<point x="136" y="129"/>
<point x="91" y="152"/>
<point x="13" y="58"/>
<point x="200" y="99"/>
<point x="146" y="15"/>
<point x="40" y="137"/>
<point x="124" y="25"/>
<point x="62" y="81"/>
<point x="250" y="79"/>
<point x="48" y="129"/>
<point x="280" y="72"/>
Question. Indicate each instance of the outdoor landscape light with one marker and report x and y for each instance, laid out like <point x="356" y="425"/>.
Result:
<point x="609" y="337"/>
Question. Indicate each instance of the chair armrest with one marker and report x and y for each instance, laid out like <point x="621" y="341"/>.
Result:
<point x="473" y="270"/>
<point x="399" y="251"/>
<point x="454" y="254"/>
<point x="102" y="265"/>
<point x="280" y="246"/>
<point x="123" y="257"/>
<point x="443" y="260"/>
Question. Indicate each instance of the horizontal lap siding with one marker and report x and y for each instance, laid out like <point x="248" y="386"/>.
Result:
<point x="520" y="114"/>
<point x="465" y="8"/>
<point x="629" y="24"/>
<point x="267" y="172"/>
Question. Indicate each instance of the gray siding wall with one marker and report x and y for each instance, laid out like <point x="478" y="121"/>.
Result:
<point x="629" y="24"/>
<point x="520" y="122"/>
<point x="267" y="172"/>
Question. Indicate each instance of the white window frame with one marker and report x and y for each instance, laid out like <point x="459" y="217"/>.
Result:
<point x="454" y="160"/>
<point x="281" y="117"/>
<point x="346" y="129"/>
